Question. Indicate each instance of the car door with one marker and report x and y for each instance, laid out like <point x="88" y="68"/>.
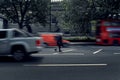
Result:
<point x="3" y="43"/>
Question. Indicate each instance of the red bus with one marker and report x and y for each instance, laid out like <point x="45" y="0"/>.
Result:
<point x="108" y="32"/>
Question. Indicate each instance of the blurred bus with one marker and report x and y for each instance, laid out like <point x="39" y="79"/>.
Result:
<point x="108" y="32"/>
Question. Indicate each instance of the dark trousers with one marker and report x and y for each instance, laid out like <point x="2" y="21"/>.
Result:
<point x="59" y="46"/>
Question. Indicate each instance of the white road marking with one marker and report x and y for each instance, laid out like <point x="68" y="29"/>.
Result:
<point x="97" y="51"/>
<point x="116" y="53"/>
<point x="74" y="54"/>
<point x="66" y="65"/>
<point x="68" y="50"/>
<point x="55" y="53"/>
<point x="64" y="51"/>
<point x="65" y="54"/>
<point x="42" y="54"/>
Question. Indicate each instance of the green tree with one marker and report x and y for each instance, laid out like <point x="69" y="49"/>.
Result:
<point x="107" y="8"/>
<point x="23" y="12"/>
<point x="79" y="13"/>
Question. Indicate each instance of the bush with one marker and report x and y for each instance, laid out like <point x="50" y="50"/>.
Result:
<point x="80" y="39"/>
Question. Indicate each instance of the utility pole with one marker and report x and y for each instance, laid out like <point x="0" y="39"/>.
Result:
<point x="50" y="18"/>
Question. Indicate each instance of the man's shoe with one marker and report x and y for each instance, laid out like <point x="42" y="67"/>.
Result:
<point x="55" y="50"/>
<point x="60" y="51"/>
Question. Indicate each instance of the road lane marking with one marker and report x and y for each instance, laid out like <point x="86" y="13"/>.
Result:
<point x="74" y="54"/>
<point x="116" y="53"/>
<point x="64" y="51"/>
<point x="66" y="65"/>
<point x="97" y="51"/>
<point x="68" y="54"/>
<point x="42" y="54"/>
<point x="68" y="50"/>
<point x="57" y="53"/>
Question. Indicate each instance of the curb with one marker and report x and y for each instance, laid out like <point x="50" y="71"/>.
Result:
<point x="82" y="43"/>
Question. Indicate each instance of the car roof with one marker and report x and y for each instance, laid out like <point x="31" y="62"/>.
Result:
<point x="8" y="29"/>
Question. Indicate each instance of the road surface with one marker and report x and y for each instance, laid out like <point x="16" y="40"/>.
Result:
<point x="85" y="62"/>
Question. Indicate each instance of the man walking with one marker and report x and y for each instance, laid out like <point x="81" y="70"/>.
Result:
<point x="59" y="42"/>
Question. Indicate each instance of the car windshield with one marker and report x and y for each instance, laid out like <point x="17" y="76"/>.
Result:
<point x="27" y="33"/>
<point x="88" y="48"/>
<point x="115" y="24"/>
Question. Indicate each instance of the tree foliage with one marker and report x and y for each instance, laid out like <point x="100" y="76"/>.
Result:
<point x="25" y="11"/>
<point x="107" y="8"/>
<point x="79" y="13"/>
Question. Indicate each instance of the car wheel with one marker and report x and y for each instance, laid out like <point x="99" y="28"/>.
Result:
<point x="18" y="54"/>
